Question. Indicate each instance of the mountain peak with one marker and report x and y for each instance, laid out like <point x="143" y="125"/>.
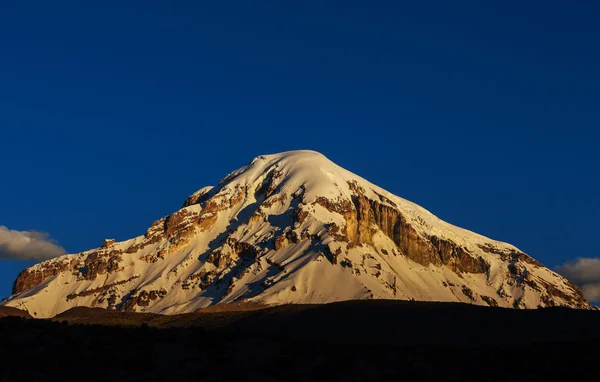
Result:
<point x="292" y="155"/>
<point x="292" y="227"/>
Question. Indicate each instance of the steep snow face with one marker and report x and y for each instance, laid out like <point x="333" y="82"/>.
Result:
<point x="292" y="228"/>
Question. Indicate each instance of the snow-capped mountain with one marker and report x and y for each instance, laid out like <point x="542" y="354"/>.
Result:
<point x="292" y="228"/>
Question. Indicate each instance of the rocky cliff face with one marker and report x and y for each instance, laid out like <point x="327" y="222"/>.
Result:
<point x="292" y="228"/>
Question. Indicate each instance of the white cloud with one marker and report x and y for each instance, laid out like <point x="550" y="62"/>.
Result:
<point x="584" y="272"/>
<point x="27" y="245"/>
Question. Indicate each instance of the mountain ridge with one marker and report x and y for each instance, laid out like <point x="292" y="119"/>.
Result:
<point x="286" y="228"/>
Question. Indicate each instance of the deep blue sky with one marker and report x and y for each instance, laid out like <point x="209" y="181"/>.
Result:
<point x="487" y="115"/>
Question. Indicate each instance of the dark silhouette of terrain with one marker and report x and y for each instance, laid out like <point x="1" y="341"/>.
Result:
<point x="348" y="341"/>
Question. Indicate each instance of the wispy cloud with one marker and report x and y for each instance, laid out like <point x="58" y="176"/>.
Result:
<point x="27" y="245"/>
<point x="584" y="272"/>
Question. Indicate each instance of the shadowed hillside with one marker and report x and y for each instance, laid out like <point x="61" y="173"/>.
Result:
<point x="359" y="340"/>
<point x="7" y="311"/>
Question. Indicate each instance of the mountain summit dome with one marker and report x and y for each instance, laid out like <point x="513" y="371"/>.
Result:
<point x="288" y="228"/>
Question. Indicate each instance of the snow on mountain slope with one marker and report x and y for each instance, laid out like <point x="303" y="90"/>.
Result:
<point x="292" y="228"/>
